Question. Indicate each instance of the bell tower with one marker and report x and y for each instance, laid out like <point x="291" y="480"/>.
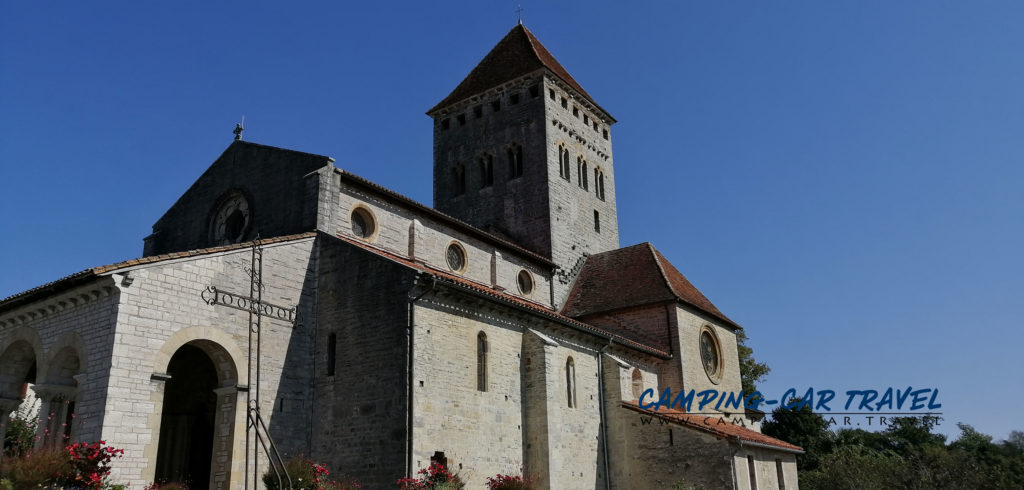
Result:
<point x="523" y="152"/>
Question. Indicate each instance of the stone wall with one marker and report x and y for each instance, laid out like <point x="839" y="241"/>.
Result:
<point x="68" y="338"/>
<point x="360" y="412"/>
<point x="270" y="178"/>
<point x="162" y="309"/>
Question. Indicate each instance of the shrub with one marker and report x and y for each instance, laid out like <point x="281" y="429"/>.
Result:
<point x="435" y="477"/>
<point x="90" y="464"/>
<point x="36" y="468"/>
<point x="511" y="482"/>
<point x="166" y="486"/>
<point x="306" y="474"/>
<point x="21" y="431"/>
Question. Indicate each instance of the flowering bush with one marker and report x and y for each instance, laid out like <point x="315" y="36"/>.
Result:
<point x="436" y="477"/>
<point x="306" y="474"/>
<point x="90" y="464"/>
<point x="510" y="482"/>
<point x="166" y="486"/>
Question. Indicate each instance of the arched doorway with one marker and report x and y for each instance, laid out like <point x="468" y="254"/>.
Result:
<point x="188" y="419"/>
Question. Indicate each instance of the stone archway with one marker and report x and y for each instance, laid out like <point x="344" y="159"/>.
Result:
<point x="18" y="368"/>
<point x="198" y="414"/>
<point x="59" y="391"/>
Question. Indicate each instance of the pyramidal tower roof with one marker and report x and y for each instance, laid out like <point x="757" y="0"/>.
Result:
<point x="517" y="54"/>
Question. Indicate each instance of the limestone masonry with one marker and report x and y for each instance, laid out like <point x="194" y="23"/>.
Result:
<point x="504" y="329"/>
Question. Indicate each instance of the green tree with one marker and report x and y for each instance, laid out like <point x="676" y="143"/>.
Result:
<point x="804" y="428"/>
<point x="751" y="371"/>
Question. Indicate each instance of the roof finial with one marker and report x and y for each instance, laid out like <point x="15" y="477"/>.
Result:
<point x="519" y="13"/>
<point x="238" y="129"/>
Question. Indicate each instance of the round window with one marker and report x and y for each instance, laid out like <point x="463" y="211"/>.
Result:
<point x="456" y="257"/>
<point x="710" y="354"/>
<point x="363" y="224"/>
<point x="525" y="280"/>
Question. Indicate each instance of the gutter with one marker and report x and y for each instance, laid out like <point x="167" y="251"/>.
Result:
<point x="603" y="415"/>
<point x="578" y="327"/>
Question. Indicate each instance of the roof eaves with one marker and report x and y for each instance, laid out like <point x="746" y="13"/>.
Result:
<point x="455" y="222"/>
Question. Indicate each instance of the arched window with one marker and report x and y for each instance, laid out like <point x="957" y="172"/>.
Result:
<point x="586" y="181"/>
<point x="481" y="362"/>
<point x="570" y="382"/>
<point x="460" y="179"/>
<point x="486" y="171"/>
<point x="599" y="185"/>
<point x="563" y="163"/>
<point x="638" y="383"/>
<point x="579" y="171"/>
<point x="515" y="162"/>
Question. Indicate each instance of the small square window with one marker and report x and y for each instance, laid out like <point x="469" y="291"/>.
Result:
<point x="535" y="91"/>
<point x="576" y="111"/>
<point x="565" y="103"/>
<point x="513" y="99"/>
<point x="462" y="119"/>
<point x="595" y="125"/>
<point x="496" y="106"/>
<point x="446" y="123"/>
<point x="478" y="111"/>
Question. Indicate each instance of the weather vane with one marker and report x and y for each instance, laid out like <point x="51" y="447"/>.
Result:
<point x="239" y="128"/>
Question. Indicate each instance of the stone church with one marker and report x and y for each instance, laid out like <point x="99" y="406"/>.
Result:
<point x="284" y="299"/>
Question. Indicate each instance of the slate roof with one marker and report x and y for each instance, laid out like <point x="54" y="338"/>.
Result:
<point x="77" y="278"/>
<point x="633" y="276"/>
<point x="715" y="426"/>
<point x="517" y="54"/>
<point x="502" y="296"/>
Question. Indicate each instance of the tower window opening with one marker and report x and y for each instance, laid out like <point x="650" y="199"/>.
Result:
<point x="583" y="176"/>
<point x="535" y="91"/>
<point x="576" y="111"/>
<point x="563" y="162"/>
<point x="446" y="123"/>
<point x="513" y="99"/>
<point x="605" y="134"/>
<point x="565" y="103"/>
<point x="599" y="183"/>
<point x="515" y="162"/>
<point x="460" y="179"/>
<point x="478" y="111"/>
<point x="462" y="119"/>
<point x="496" y="105"/>
<point x="586" y="119"/>
<point x="595" y="125"/>
<point x="597" y="221"/>
<point x="486" y="171"/>
<point x="551" y="93"/>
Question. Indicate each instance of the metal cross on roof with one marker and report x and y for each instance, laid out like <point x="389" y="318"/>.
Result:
<point x="519" y="13"/>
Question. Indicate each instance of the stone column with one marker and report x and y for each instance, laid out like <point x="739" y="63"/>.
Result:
<point x="53" y="413"/>
<point x="7" y="407"/>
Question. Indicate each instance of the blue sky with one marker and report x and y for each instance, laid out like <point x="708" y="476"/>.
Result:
<point x="843" y="179"/>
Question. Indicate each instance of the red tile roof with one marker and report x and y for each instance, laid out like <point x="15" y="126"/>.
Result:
<point x="714" y="425"/>
<point x="503" y="296"/>
<point x="633" y="276"/>
<point x="517" y="54"/>
<point x="88" y="274"/>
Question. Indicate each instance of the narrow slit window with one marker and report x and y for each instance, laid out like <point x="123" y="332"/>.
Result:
<point x="583" y="174"/>
<point x="481" y="362"/>
<point x="551" y="93"/>
<point x="597" y="221"/>
<point x="570" y="382"/>
<point x="565" y="103"/>
<point x="332" y="353"/>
